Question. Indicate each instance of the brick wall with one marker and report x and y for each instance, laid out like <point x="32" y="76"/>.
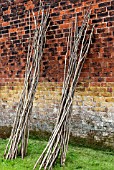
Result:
<point x="94" y="100"/>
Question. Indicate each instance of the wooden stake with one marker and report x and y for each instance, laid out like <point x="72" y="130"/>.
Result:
<point x="58" y="142"/>
<point x="18" y="140"/>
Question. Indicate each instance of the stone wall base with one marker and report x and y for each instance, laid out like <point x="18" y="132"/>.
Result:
<point x="92" y="117"/>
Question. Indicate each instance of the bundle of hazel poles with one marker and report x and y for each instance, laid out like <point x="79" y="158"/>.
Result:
<point x="78" y="45"/>
<point x="18" y="141"/>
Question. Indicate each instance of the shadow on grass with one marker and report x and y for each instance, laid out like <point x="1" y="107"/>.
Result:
<point x="76" y="141"/>
<point x="88" y="142"/>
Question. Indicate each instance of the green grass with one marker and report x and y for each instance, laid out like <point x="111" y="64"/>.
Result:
<point x="80" y="158"/>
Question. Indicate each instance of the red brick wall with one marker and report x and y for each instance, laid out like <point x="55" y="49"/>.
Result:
<point x="99" y="66"/>
<point x="93" y="106"/>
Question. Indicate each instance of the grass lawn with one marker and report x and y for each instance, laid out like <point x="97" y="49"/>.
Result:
<point x="77" y="158"/>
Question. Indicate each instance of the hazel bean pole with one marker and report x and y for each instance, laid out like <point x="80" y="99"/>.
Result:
<point x="70" y="66"/>
<point x="58" y="142"/>
<point x="20" y="132"/>
<point x="25" y="135"/>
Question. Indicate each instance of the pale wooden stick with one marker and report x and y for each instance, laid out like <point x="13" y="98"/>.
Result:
<point x="60" y="135"/>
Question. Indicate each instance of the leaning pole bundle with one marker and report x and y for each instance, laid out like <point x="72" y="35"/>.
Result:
<point x="78" y="44"/>
<point x="18" y="141"/>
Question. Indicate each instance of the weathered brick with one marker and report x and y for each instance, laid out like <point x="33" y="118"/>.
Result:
<point x="97" y="21"/>
<point x="67" y="7"/>
<point x="4" y="31"/>
<point x="55" y="14"/>
<point x="104" y="14"/>
<point x="5" y="8"/>
<point x="109" y="19"/>
<point x="104" y="4"/>
<point x="99" y="10"/>
<point x="6" y="18"/>
<point x="110" y="8"/>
